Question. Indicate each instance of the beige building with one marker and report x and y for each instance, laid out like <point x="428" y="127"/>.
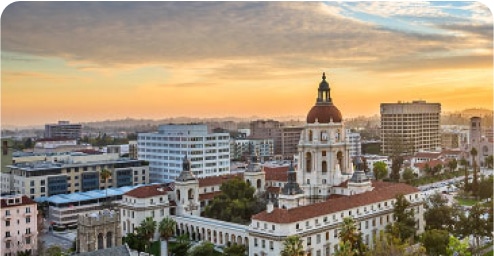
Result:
<point x="19" y="225"/>
<point x="98" y="230"/>
<point x="407" y="128"/>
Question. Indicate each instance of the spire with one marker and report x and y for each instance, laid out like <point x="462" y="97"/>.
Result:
<point x="323" y="92"/>
<point x="186" y="173"/>
<point x="253" y="165"/>
<point x="292" y="187"/>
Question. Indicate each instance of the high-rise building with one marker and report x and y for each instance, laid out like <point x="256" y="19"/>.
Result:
<point x="407" y="128"/>
<point x="165" y="149"/>
<point x="63" y="129"/>
<point x="290" y="137"/>
<point x="267" y="129"/>
<point x="354" y="142"/>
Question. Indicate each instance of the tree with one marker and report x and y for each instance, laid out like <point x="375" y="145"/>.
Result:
<point x="380" y="170"/>
<point x="344" y="249"/>
<point x="235" y="250"/>
<point x="147" y="229"/>
<point x="28" y="143"/>
<point x="473" y="152"/>
<point x="403" y="226"/>
<point x="166" y="228"/>
<point x="235" y="203"/>
<point x="105" y="174"/>
<point x="439" y="215"/>
<point x="488" y="161"/>
<point x="182" y="246"/>
<point x="437" y="169"/>
<point x="485" y="188"/>
<point x="457" y="247"/>
<point x="292" y="246"/>
<point x="54" y="250"/>
<point x="435" y="241"/>
<point x="203" y="249"/>
<point x="351" y="236"/>
<point x="388" y="245"/>
<point x="24" y="253"/>
<point x="395" y="167"/>
<point x="464" y="163"/>
<point x="452" y="165"/>
<point x="135" y="242"/>
<point x="477" y="224"/>
<point x="408" y="175"/>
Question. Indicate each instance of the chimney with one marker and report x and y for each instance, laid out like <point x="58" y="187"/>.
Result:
<point x="269" y="207"/>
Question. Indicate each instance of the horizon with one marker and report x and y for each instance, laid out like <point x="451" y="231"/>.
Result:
<point x="97" y="61"/>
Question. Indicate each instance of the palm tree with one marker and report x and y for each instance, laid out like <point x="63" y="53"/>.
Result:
<point x="292" y="246"/>
<point x="147" y="229"/>
<point x="464" y="163"/>
<point x="348" y="231"/>
<point x="166" y="228"/>
<point x="473" y="152"/>
<point x="105" y="174"/>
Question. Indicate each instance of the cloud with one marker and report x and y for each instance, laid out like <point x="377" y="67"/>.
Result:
<point x="283" y="35"/>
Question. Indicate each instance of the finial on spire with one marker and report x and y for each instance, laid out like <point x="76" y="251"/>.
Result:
<point x="323" y="75"/>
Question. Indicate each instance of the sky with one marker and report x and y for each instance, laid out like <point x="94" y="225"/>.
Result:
<point x="91" y="61"/>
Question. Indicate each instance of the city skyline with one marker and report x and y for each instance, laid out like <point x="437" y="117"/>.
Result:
<point x="86" y="61"/>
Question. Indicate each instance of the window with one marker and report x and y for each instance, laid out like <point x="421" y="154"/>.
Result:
<point x="28" y="240"/>
<point x="7" y="234"/>
<point x="28" y="230"/>
<point x="255" y="242"/>
<point x="327" y="236"/>
<point x="309" y="241"/>
<point x="271" y="245"/>
<point x="28" y="219"/>
<point x="28" y="209"/>
<point x="7" y="223"/>
<point x="318" y="239"/>
<point x="263" y="243"/>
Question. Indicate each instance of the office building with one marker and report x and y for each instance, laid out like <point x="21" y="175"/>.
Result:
<point x="354" y="143"/>
<point x="164" y="150"/>
<point x="407" y="128"/>
<point x="240" y="149"/>
<point x="290" y="137"/>
<point x="63" y="129"/>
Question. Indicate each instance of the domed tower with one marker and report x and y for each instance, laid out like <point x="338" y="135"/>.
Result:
<point x="324" y="158"/>
<point x="187" y="191"/>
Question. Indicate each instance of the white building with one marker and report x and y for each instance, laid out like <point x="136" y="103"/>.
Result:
<point x="19" y="225"/>
<point x="164" y="150"/>
<point x="355" y="143"/>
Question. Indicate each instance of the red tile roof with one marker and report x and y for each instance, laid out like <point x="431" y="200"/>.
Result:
<point x="24" y="201"/>
<point x="430" y="163"/>
<point x="217" y="180"/>
<point x="428" y="154"/>
<point x="382" y="191"/>
<point x="208" y="196"/>
<point x="147" y="191"/>
<point x="276" y="173"/>
<point x="274" y="190"/>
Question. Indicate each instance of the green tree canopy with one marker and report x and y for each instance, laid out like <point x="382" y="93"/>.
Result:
<point x="485" y="188"/>
<point x="235" y="250"/>
<point x="435" y="241"/>
<point x="236" y="203"/>
<point x="460" y="247"/>
<point x="292" y="246"/>
<point x="380" y="170"/>
<point x="166" y="228"/>
<point x="439" y="215"/>
<point x="147" y="229"/>
<point x="403" y="226"/>
<point x="452" y="165"/>
<point x="182" y="246"/>
<point x="408" y="175"/>
<point x="203" y="249"/>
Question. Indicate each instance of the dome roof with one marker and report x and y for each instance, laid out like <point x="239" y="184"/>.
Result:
<point x="324" y="113"/>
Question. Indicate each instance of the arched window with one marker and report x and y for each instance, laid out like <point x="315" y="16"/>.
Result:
<point x="324" y="166"/>
<point x="308" y="161"/>
<point x="178" y="194"/>
<point x="100" y="241"/>
<point x="259" y="183"/>
<point x="191" y="194"/>
<point x="339" y="156"/>
<point x="109" y="237"/>
<point x="310" y="135"/>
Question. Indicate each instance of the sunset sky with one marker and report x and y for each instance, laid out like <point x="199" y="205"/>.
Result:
<point x="88" y="61"/>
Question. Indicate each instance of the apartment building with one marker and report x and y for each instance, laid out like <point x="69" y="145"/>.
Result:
<point x="241" y="148"/>
<point x="19" y="228"/>
<point x="407" y="128"/>
<point x="165" y="149"/>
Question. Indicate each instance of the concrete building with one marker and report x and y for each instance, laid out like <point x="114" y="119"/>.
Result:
<point x="73" y="173"/>
<point x="290" y="137"/>
<point x="241" y="148"/>
<point x="63" y="129"/>
<point x="267" y="129"/>
<point x="19" y="225"/>
<point x="164" y="150"/>
<point x="7" y="153"/>
<point x="354" y="143"/>
<point x="407" y="128"/>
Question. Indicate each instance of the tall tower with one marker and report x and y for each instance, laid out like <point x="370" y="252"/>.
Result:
<point x="475" y="131"/>
<point x="324" y="158"/>
<point x="291" y="194"/>
<point x="254" y="175"/>
<point x="187" y="191"/>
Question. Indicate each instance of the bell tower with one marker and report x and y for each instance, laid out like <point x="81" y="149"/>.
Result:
<point x="187" y="191"/>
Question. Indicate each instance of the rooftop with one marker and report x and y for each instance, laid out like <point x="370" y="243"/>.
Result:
<point x="382" y="191"/>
